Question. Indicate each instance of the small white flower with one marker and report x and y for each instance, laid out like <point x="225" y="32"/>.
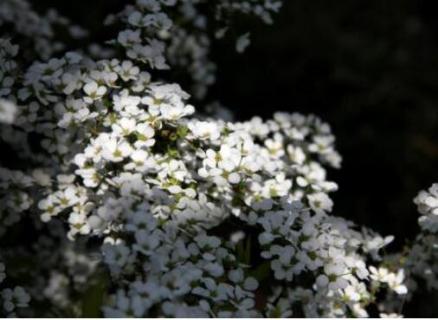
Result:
<point x="242" y="43"/>
<point x="204" y="130"/>
<point x="94" y="91"/>
<point x="8" y="111"/>
<point x="320" y="201"/>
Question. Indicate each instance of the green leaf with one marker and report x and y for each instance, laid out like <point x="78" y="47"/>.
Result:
<point x="262" y="271"/>
<point x="94" y="296"/>
<point x="247" y="258"/>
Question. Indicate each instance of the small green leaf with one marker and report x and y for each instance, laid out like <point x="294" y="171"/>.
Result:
<point x="262" y="271"/>
<point x="94" y="296"/>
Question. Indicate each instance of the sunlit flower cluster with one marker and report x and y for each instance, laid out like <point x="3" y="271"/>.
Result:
<point x="421" y="260"/>
<point x="159" y="210"/>
<point x="427" y="202"/>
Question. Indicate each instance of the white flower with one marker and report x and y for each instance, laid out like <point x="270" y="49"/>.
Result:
<point x="395" y="282"/>
<point x="2" y="272"/>
<point x="71" y="82"/>
<point x="390" y="315"/>
<point x="93" y="91"/>
<point x="204" y="130"/>
<point x="124" y="126"/>
<point x="242" y="43"/>
<point x="116" y="256"/>
<point x="250" y="284"/>
<point x="296" y="154"/>
<point x="352" y="294"/>
<point x="275" y="147"/>
<point x="8" y="111"/>
<point x="320" y="201"/>
<point x="128" y="71"/>
<point x="114" y="149"/>
<point x="14" y="298"/>
<point x="332" y="277"/>
<point x="128" y="38"/>
<point x="173" y="113"/>
<point x="78" y="224"/>
<point x="145" y="134"/>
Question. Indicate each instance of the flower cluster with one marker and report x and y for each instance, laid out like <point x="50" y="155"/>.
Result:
<point x="421" y="260"/>
<point x="11" y="299"/>
<point x="259" y="8"/>
<point x="38" y="31"/>
<point x="15" y="197"/>
<point x="427" y="202"/>
<point x="416" y="266"/>
<point x="151" y="35"/>
<point x="147" y="175"/>
<point x="184" y="214"/>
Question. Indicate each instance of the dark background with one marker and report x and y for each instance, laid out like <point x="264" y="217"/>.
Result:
<point x="369" y="68"/>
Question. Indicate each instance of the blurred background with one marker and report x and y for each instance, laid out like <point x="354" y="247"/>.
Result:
<point x="369" y="68"/>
